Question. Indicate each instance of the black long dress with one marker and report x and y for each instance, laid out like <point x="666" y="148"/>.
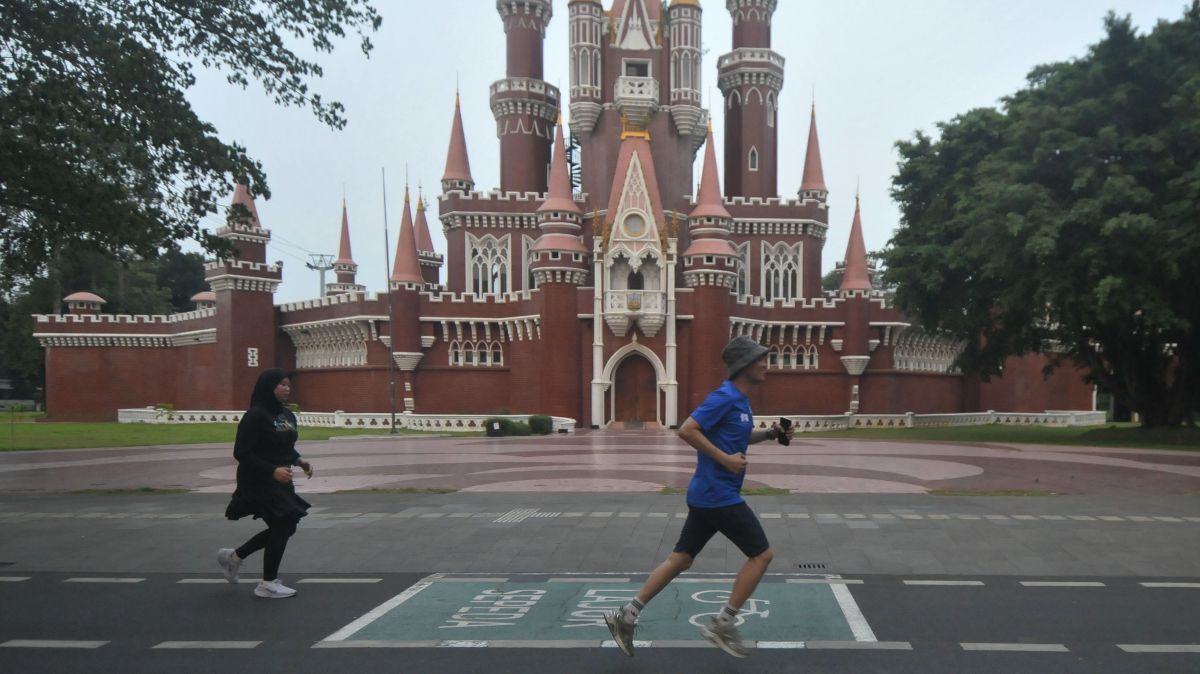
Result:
<point x="264" y="442"/>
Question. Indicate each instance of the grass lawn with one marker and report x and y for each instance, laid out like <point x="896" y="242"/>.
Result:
<point x="1110" y="435"/>
<point x="21" y="435"/>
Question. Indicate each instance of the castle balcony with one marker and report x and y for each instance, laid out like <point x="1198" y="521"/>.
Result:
<point x="646" y="308"/>
<point x="637" y="99"/>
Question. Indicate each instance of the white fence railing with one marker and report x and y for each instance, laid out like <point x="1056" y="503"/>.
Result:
<point x="805" y="423"/>
<point x="434" y="423"/>
<point x="442" y="423"/>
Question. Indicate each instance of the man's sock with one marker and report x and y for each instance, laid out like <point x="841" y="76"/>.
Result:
<point x="727" y="615"/>
<point x="633" y="609"/>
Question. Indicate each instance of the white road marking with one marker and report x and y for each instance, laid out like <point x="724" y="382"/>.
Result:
<point x="1169" y="584"/>
<point x="586" y="579"/>
<point x="377" y="612"/>
<point x="1159" y="648"/>
<point x="343" y="581"/>
<point x="859" y="645"/>
<point x="213" y="581"/>
<point x="854" y="617"/>
<point x="14" y="579"/>
<point x="103" y="580"/>
<point x="824" y="581"/>
<point x="1061" y="583"/>
<point x="944" y="582"/>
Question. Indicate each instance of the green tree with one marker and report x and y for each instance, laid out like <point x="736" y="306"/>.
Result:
<point x="1068" y="221"/>
<point x="99" y="147"/>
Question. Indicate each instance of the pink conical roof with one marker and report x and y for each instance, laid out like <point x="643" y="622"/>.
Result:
<point x="458" y="165"/>
<point x="856" y="276"/>
<point x="241" y="195"/>
<point x="424" y="240"/>
<point x="407" y="268"/>
<point x="559" y="197"/>
<point x="814" y="175"/>
<point x="344" y="254"/>
<point x="709" y="202"/>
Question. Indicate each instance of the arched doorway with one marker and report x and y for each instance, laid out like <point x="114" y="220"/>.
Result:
<point x="635" y="391"/>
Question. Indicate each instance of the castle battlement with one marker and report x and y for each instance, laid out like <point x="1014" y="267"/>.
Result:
<point x="798" y="303"/>
<point x="471" y="298"/>
<point x="328" y="301"/>
<point x="243" y="265"/>
<point x="126" y="319"/>
<point x="497" y="195"/>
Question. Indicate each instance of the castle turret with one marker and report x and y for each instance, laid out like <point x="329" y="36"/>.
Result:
<point x="344" y="266"/>
<point x="560" y="266"/>
<point x="458" y="164"/>
<point x="709" y="268"/>
<point x="84" y="303"/>
<point x="586" y="64"/>
<point x="684" y="19"/>
<point x="524" y="105"/>
<point x="750" y="78"/>
<point x="245" y="291"/>
<point x="856" y="292"/>
<point x="405" y="304"/>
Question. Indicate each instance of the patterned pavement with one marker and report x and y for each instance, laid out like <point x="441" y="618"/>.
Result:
<point x="645" y="461"/>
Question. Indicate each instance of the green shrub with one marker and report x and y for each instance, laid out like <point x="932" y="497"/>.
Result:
<point x="294" y="408"/>
<point x="505" y="425"/>
<point x="520" y="428"/>
<point x="540" y="424"/>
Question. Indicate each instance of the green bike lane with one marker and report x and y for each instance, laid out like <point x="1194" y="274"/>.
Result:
<point x="563" y="611"/>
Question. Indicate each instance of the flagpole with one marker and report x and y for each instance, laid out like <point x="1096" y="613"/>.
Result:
<point x="387" y="257"/>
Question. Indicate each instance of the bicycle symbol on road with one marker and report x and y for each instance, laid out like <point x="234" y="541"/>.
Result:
<point x="752" y="607"/>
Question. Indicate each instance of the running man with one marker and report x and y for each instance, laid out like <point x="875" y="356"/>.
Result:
<point x="720" y="430"/>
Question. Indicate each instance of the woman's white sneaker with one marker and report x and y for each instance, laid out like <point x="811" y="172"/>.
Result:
<point x="272" y="589"/>
<point x="229" y="564"/>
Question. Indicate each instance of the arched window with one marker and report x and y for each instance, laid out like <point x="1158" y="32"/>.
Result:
<point x="753" y="159"/>
<point x="771" y="109"/>
<point x="488" y="271"/>
<point x="780" y="271"/>
<point x="636" y="281"/>
<point x="742" y="266"/>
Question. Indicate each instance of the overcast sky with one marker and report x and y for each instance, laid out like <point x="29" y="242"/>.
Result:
<point x="880" y="69"/>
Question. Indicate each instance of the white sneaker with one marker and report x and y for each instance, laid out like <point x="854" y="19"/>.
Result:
<point x="272" y="589"/>
<point x="229" y="564"/>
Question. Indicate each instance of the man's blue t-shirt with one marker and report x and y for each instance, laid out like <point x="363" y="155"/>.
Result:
<point x="726" y="420"/>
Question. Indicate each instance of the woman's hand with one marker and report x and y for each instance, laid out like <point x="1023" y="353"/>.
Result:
<point x="306" y="467"/>
<point x="283" y="475"/>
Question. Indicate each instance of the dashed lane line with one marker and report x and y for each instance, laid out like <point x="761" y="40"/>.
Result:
<point x="1015" y="647"/>
<point x="340" y="581"/>
<point x="1159" y="648"/>
<point x="50" y="643"/>
<point x="207" y="644"/>
<point x="944" y="582"/>
<point x="90" y="579"/>
<point x="14" y="579"/>
<point x="1168" y="584"/>
<point x="1062" y="583"/>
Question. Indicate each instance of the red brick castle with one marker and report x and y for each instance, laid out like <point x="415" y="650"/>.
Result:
<point x="607" y="304"/>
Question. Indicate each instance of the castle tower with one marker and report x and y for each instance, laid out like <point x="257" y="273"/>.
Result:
<point x="344" y="266"/>
<point x="524" y="105"/>
<point x="560" y="266"/>
<point x="430" y="260"/>
<point x="812" y="185"/>
<point x="750" y="78"/>
<point x="245" y="289"/>
<point x="405" y="288"/>
<point x="709" y="268"/>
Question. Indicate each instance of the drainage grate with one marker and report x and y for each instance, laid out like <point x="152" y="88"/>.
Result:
<point x="810" y="565"/>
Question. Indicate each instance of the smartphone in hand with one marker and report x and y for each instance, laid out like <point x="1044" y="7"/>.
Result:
<point x="784" y="425"/>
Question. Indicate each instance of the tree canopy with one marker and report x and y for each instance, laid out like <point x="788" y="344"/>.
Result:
<point x="99" y="146"/>
<point x="1067" y="222"/>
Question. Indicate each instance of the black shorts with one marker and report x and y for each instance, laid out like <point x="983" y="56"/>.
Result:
<point x="736" y="522"/>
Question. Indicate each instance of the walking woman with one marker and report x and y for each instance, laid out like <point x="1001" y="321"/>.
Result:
<point x="266" y="451"/>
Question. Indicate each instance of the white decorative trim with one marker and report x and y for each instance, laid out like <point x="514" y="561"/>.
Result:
<point x="855" y="365"/>
<point x="93" y="339"/>
<point x="406" y="360"/>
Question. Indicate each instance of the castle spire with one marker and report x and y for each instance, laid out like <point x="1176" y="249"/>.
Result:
<point x="708" y="201"/>
<point x="458" y="164"/>
<point x="241" y="195"/>
<point x="814" y="175"/>
<point x="407" y="268"/>
<point x="559" y="197"/>
<point x="424" y="240"/>
<point x="856" y="276"/>
<point x="344" y="255"/>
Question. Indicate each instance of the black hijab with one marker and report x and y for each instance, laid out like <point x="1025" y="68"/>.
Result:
<point x="264" y="391"/>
